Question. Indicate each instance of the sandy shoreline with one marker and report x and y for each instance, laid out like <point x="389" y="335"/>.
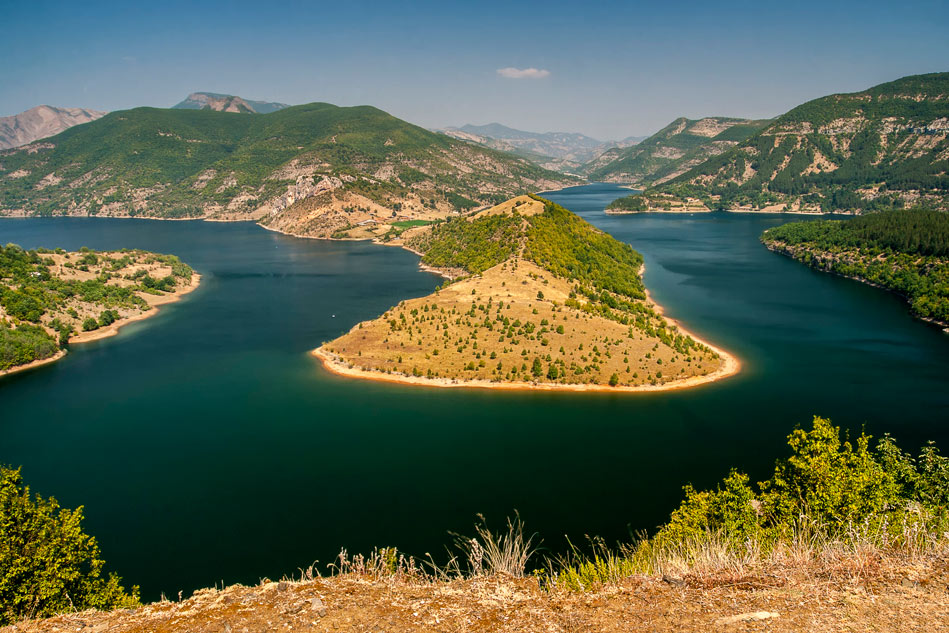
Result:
<point x="154" y="302"/>
<point x="33" y="365"/>
<point x="730" y="366"/>
<point x="112" y="329"/>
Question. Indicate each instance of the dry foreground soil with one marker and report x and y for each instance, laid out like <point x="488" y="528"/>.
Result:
<point x="877" y="597"/>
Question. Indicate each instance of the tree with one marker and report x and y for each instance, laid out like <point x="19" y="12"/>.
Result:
<point x="552" y="372"/>
<point x="537" y="369"/>
<point x="47" y="563"/>
<point x="614" y="380"/>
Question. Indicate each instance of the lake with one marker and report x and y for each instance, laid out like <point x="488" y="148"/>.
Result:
<point x="208" y="447"/>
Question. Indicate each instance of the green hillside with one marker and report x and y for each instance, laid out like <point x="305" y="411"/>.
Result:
<point x="906" y="251"/>
<point x="882" y="148"/>
<point x="177" y="163"/>
<point x="672" y="150"/>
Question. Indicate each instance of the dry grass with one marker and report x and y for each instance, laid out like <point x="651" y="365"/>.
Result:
<point x="438" y="337"/>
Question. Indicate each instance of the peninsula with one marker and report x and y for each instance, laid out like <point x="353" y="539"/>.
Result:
<point x="540" y="300"/>
<point x="50" y="299"/>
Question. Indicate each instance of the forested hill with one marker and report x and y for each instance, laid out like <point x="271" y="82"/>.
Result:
<point x="906" y="251"/>
<point x="671" y="151"/>
<point x="882" y="148"/>
<point x="351" y="166"/>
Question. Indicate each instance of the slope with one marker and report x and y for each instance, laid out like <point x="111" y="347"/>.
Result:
<point x="671" y="151"/>
<point x="885" y="147"/>
<point x="315" y="170"/>
<point x="542" y="300"/>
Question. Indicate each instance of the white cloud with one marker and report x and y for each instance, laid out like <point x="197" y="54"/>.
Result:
<point x="523" y="73"/>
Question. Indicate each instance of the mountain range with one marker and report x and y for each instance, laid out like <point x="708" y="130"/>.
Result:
<point x="227" y="103"/>
<point x="561" y="151"/>
<point x="671" y="151"/>
<point x="317" y="170"/>
<point x="40" y="122"/>
<point x="877" y="149"/>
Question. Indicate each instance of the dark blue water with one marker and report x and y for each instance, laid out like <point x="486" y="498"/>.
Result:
<point x="206" y="446"/>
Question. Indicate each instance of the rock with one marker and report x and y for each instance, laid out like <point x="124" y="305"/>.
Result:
<point x="747" y="617"/>
<point x="672" y="580"/>
<point x="317" y="605"/>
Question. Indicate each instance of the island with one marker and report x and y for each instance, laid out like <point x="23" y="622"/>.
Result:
<point x="50" y="299"/>
<point x="905" y="251"/>
<point x="536" y="298"/>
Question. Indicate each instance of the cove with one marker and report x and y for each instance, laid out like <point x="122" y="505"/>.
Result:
<point x="207" y="446"/>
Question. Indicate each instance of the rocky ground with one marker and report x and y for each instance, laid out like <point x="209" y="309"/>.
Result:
<point x="873" y="596"/>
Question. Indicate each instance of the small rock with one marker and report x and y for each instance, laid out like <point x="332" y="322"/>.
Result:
<point x="747" y="617"/>
<point x="317" y="605"/>
<point x="672" y="580"/>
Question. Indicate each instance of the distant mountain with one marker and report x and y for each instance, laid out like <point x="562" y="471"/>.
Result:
<point x="562" y="151"/>
<point x="40" y="122"/>
<point x="884" y="147"/>
<point x="671" y="151"/>
<point x="227" y="103"/>
<point x="317" y="170"/>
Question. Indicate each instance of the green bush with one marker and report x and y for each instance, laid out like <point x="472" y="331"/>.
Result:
<point x="48" y="565"/>
<point x="828" y="483"/>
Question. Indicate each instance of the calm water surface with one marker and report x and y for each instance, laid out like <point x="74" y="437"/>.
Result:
<point x="206" y="446"/>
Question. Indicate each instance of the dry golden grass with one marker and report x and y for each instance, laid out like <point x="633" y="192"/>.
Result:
<point x="455" y="335"/>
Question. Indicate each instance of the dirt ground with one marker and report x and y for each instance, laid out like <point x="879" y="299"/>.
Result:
<point x="910" y="599"/>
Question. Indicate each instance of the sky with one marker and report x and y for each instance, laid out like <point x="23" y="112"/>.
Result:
<point x="607" y="69"/>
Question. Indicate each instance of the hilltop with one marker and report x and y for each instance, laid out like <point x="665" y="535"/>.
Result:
<point x="542" y="300"/>
<point x="315" y="170"/>
<point x="227" y="103"/>
<point x="671" y="151"/>
<point x="49" y="299"/>
<point x="881" y="148"/>
<point x="41" y="122"/>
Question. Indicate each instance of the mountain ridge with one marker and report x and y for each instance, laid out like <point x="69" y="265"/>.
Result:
<point x="318" y="170"/>
<point x="40" y="122"/>
<point x="227" y="103"/>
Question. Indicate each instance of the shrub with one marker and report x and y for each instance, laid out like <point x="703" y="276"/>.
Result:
<point x="47" y="563"/>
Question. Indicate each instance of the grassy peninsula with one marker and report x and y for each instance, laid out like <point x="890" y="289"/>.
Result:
<point x="539" y="299"/>
<point x="51" y="298"/>
<point x="905" y="251"/>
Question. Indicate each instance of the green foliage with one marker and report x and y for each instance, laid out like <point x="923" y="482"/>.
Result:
<point x="904" y="251"/>
<point x="164" y="153"/>
<point x="663" y="153"/>
<point x="472" y="245"/>
<point x="48" y="565"/>
<point x="828" y="483"/>
<point x="635" y="202"/>
<point x="878" y="142"/>
<point x="24" y="344"/>
<point x="569" y="247"/>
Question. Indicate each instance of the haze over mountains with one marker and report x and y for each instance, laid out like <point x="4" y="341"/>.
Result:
<point x="563" y="151"/>
<point x="40" y="122"/>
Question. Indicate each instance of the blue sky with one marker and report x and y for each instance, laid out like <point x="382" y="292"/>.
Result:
<point x="613" y="69"/>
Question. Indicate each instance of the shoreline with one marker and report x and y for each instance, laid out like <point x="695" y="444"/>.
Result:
<point x="33" y="364"/>
<point x="786" y="252"/>
<point x="731" y="366"/>
<point x="112" y="329"/>
<point x="154" y="308"/>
